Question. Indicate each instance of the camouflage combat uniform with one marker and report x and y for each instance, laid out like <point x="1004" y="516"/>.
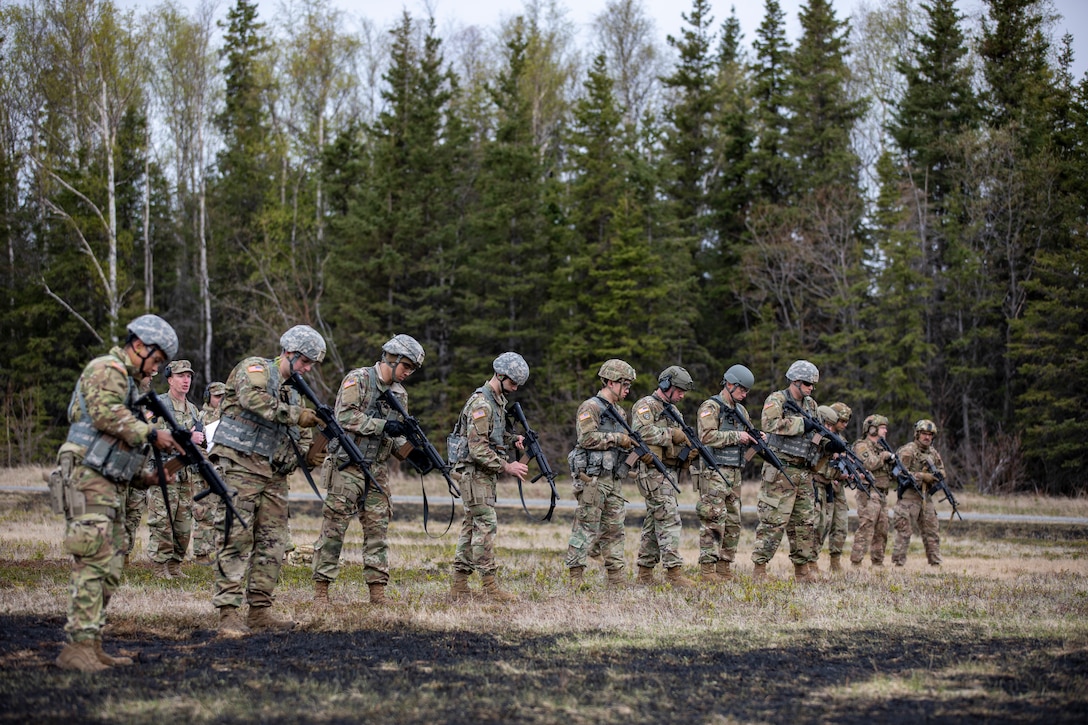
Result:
<point x="661" y="528"/>
<point x="102" y="418"/>
<point x="719" y="495"/>
<point x="914" y="510"/>
<point x="872" y="534"/>
<point x="599" y="470"/>
<point x="209" y="514"/>
<point x="478" y="450"/>
<point x="363" y="415"/>
<point x="135" y="504"/>
<point x="170" y="529"/>
<point x="785" y="507"/>
<point x="252" y="445"/>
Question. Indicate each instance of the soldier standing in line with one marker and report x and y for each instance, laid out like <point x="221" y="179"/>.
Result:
<point x="661" y="528"/>
<point x="135" y="498"/>
<point x="170" y="524"/>
<point x="478" y="451"/>
<point x="833" y="510"/>
<point x="719" y="494"/>
<point x="256" y="444"/>
<point x="378" y="431"/>
<point x="209" y="514"/>
<point x="104" y="454"/>
<point x="598" y="469"/>
<point x="872" y="534"/>
<point x="786" y="503"/>
<point x="912" y="509"/>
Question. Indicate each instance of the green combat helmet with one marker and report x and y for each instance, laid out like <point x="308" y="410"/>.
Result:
<point x="828" y="415"/>
<point x="617" y="370"/>
<point x="513" y="366"/>
<point x="843" y="410"/>
<point x="872" y="424"/>
<point x="305" y="340"/>
<point x="739" y="375"/>
<point x="804" y="371"/>
<point x="405" y="347"/>
<point x="675" y="376"/>
<point x="155" y="332"/>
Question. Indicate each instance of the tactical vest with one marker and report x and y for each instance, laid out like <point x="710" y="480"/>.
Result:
<point x="732" y="456"/>
<point x="197" y="424"/>
<point x="375" y="448"/>
<point x="594" y="462"/>
<point x="251" y="434"/>
<point x="799" y="446"/>
<point x="457" y="441"/>
<point x="103" y="453"/>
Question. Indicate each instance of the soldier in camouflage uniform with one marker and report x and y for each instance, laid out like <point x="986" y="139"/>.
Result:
<point x="872" y="534"/>
<point x="912" y="509"/>
<point x="104" y="454"/>
<point x="378" y="431"/>
<point x="135" y="504"/>
<point x="170" y="525"/>
<point x="260" y="429"/>
<point x="786" y="503"/>
<point x="832" y="508"/>
<point x="660" y="540"/>
<point x="719" y="494"/>
<point x="209" y="514"/>
<point x="598" y="469"/>
<point x="478" y="452"/>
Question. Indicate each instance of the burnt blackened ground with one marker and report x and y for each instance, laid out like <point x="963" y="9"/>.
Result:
<point x="399" y="675"/>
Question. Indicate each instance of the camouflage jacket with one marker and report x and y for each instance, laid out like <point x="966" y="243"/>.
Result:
<point x="914" y="459"/>
<point x="361" y="413"/>
<point x="872" y="455"/>
<point x="108" y="386"/>
<point x="648" y="419"/>
<point x="720" y="432"/>
<point x="483" y="422"/>
<point x="786" y="433"/>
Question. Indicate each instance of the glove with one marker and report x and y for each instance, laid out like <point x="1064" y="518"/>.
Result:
<point x="887" y="457"/>
<point x="926" y="478"/>
<point x="307" y="418"/>
<point x="315" y="457"/>
<point x="395" y="429"/>
<point x="647" y="458"/>
<point x="678" y="436"/>
<point x="624" y="441"/>
<point x="810" y="425"/>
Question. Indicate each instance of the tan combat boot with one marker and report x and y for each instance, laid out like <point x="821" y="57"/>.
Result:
<point x="814" y="569"/>
<point x="494" y="593"/>
<point x="106" y="659"/>
<point x="645" y="576"/>
<point x="231" y="624"/>
<point x="708" y="572"/>
<point x="759" y="573"/>
<point x="377" y="594"/>
<point x="802" y="574"/>
<point x="459" y="585"/>
<point x="162" y="571"/>
<point x="577" y="576"/>
<point x="262" y="618"/>
<point x="174" y="567"/>
<point x="675" y="577"/>
<point x="80" y="656"/>
<point x="321" y="592"/>
<point x="616" y="578"/>
<point x="836" y="563"/>
<point x="725" y="570"/>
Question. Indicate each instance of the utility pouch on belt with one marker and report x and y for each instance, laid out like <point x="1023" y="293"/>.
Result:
<point x="478" y="492"/>
<point x="56" y="491"/>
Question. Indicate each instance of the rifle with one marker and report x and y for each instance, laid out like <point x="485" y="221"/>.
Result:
<point x="333" y="429"/>
<point x="835" y="444"/>
<point x="758" y="443"/>
<point x="941" y="486"/>
<point x="854" y="475"/>
<point x="693" y="438"/>
<point x="193" y="456"/>
<point x="902" y="475"/>
<point x="533" y="450"/>
<point x="640" y="450"/>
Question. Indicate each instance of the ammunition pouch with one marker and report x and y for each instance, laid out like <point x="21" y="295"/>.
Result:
<point x="251" y="434"/>
<point x="732" y="456"/>
<point x="105" y="454"/>
<point x="794" y="446"/>
<point x="591" y="493"/>
<point x="479" y="492"/>
<point x="456" y="448"/>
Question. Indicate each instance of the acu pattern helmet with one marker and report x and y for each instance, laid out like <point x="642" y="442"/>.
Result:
<point x="407" y="347"/>
<point x="872" y="424"/>
<point x="675" y="376"/>
<point x="804" y="371"/>
<point x="155" y="331"/>
<point x="513" y="366"/>
<point x="616" y="370"/>
<point x="739" y="375"/>
<point x="305" y="340"/>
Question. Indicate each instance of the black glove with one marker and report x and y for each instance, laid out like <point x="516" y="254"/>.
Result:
<point x="810" y="425"/>
<point x="395" y="429"/>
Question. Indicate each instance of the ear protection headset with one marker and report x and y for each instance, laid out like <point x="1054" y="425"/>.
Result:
<point x="665" y="383"/>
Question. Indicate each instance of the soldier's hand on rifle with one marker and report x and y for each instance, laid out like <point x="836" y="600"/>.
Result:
<point x="810" y="424"/>
<point x="678" y="436"/>
<point x="151" y="479"/>
<point x="887" y="456"/>
<point x="647" y="458"/>
<point x="307" y="418"/>
<point x="519" y="443"/>
<point x="197" y="437"/>
<point x="395" y="429"/>
<point x="926" y="478"/>
<point x="315" y="456"/>
<point x="624" y="441"/>
<point x="517" y="469"/>
<point x="164" y="441"/>
<point x="743" y="438"/>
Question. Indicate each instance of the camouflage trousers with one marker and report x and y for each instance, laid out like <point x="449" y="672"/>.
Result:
<point x="719" y="515"/>
<point x="170" y="524"/>
<point x="872" y="534"/>
<point x="476" y="543"/>
<point x="910" y="511"/>
<point x="248" y="566"/>
<point x="598" y="524"/>
<point x="209" y="520"/>
<point x="832" y="518"/>
<point x="345" y="499"/>
<point x="135" y="502"/>
<point x="660" y="539"/>
<point x="786" y="508"/>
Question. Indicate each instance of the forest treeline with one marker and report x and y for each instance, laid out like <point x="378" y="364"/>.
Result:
<point x="898" y="197"/>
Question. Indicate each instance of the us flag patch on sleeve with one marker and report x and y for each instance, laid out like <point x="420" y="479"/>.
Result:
<point x="585" y="416"/>
<point x="255" y="368"/>
<point x="350" y="382"/>
<point x="479" y="413"/>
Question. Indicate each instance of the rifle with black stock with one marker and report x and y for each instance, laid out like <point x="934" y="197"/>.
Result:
<point x="835" y="443"/>
<point x="854" y="475"/>
<point x="640" y="450"/>
<point x="903" y="478"/>
<point x="693" y="441"/>
<point x="333" y="430"/>
<point x="941" y="486"/>
<point x="534" y="451"/>
<point x="758" y="444"/>
<point x="192" y="455"/>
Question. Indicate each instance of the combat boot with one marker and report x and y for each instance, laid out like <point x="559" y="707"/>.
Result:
<point x="616" y="579"/>
<point x="262" y="618"/>
<point x="459" y="585"/>
<point x="675" y="577"/>
<point x="814" y="569"/>
<point x="802" y="574"/>
<point x="108" y="659"/>
<point x="836" y="563"/>
<point x="174" y="567"/>
<point x="80" y="656"/>
<point x="377" y="594"/>
<point x="577" y="576"/>
<point x="231" y="624"/>
<point x="725" y="570"/>
<point x="708" y="572"/>
<point x="645" y="576"/>
<point x="759" y="573"/>
<point x="494" y="593"/>
<point x="162" y="571"/>
<point x="321" y="592"/>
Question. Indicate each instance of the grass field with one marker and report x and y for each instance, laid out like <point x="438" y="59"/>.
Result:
<point x="998" y="634"/>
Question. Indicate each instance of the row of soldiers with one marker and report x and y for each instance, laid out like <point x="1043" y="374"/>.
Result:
<point x="264" y="426"/>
